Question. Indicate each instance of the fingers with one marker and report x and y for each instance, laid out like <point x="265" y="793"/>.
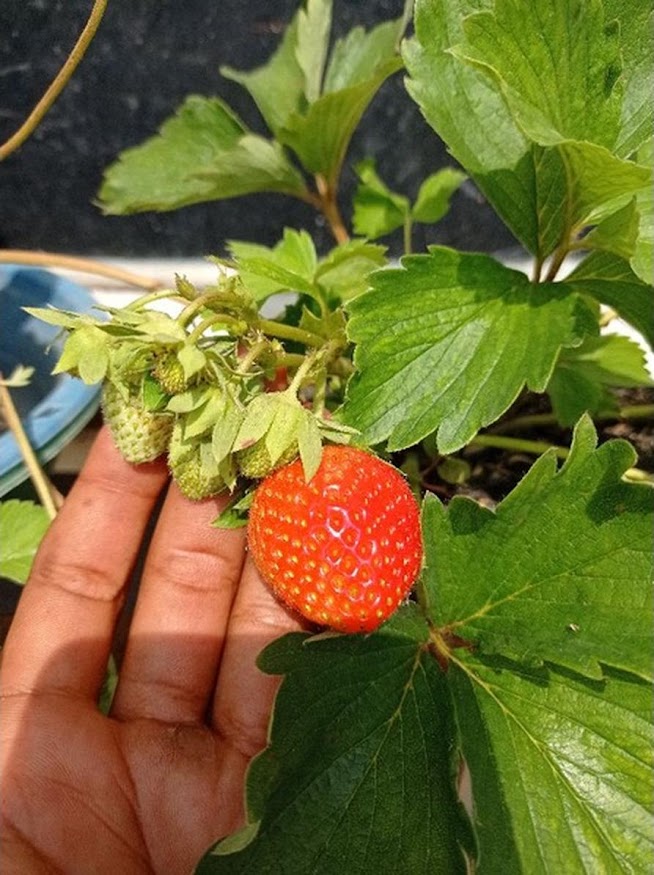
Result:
<point x="244" y="694"/>
<point x="178" y="629"/>
<point x="76" y="586"/>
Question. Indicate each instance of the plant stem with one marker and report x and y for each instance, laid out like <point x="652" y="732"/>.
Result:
<point x="538" y="269"/>
<point x="301" y="373"/>
<point x="557" y="260"/>
<point x="218" y="318"/>
<point x="329" y="207"/>
<point x="72" y="262"/>
<point x="632" y="411"/>
<point x="251" y="356"/>
<point x="408" y="228"/>
<point x="144" y="300"/>
<point x="537" y="448"/>
<point x="289" y="332"/>
<point x="49" y="496"/>
<point x="518" y="444"/>
<point x="58" y="83"/>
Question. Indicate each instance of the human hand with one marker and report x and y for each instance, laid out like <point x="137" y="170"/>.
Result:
<point x="150" y="787"/>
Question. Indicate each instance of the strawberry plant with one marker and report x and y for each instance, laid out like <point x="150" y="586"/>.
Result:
<point x="523" y="655"/>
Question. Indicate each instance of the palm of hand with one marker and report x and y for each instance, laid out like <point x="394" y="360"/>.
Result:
<point x="149" y="788"/>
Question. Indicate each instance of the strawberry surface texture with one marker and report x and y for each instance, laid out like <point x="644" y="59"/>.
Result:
<point x="343" y="549"/>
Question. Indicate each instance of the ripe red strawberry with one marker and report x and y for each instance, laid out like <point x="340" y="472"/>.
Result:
<point x="343" y="549"/>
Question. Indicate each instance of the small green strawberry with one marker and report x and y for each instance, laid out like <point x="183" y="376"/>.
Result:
<point x="169" y="373"/>
<point x="343" y="549"/>
<point x="139" y="434"/>
<point x="255" y="461"/>
<point x="193" y="467"/>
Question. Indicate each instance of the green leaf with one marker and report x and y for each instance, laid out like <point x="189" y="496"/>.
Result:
<point x="203" y="418"/>
<point x="228" y="423"/>
<point x="582" y="376"/>
<point x="358" y="776"/>
<point x="596" y="182"/>
<point x="191" y="359"/>
<point x="23" y="525"/>
<point x="320" y="137"/>
<point x="472" y="118"/>
<point x="434" y="195"/>
<point x="309" y="445"/>
<point x="642" y="262"/>
<point x="85" y="353"/>
<point x="448" y="343"/>
<point x="557" y="64"/>
<point x="62" y="318"/>
<point x="289" y="265"/>
<point x="542" y="193"/>
<point x="154" y="398"/>
<point x="343" y="273"/>
<point x="314" y="24"/>
<point x="202" y="153"/>
<point x="566" y="564"/>
<point x="235" y="516"/>
<point x="611" y="281"/>
<point x="637" y="81"/>
<point x="561" y="768"/>
<point x="617" y="233"/>
<point x="377" y="209"/>
<point x="277" y="87"/>
<point x="359" y="52"/>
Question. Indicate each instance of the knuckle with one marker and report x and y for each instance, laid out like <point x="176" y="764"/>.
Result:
<point x="84" y="579"/>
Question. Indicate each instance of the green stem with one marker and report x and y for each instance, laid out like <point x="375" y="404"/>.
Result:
<point x="58" y="83"/>
<point x="251" y="356"/>
<point x="144" y="300"/>
<point x="289" y="360"/>
<point x="217" y="319"/>
<point x="519" y="445"/>
<point x="632" y="411"/>
<point x="289" y="332"/>
<point x="301" y="373"/>
<point x="538" y="269"/>
<point x="320" y="392"/>
<point x="408" y="229"/>
<point x="557" y="260"/>
<point x="329" y="208"/>
<point x="537" y="448"/>
<point x="195" y="306"/>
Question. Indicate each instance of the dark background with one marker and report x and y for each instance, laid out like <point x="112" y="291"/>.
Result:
<point x="146" y="57"/>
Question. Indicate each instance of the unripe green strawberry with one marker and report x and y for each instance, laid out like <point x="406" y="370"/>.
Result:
<point x="193" y="467"/>
<point x="169" y="373"/>
<point x="139" y="434"/>
<point x="254" y="461"/>
<point x="193" y="480"/>
<point x="343" y="549"/>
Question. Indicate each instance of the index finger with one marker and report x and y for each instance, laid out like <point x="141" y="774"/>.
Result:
<point x="76" y="586"/>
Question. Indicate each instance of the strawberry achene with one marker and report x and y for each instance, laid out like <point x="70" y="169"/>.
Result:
<point x="343" y="549"/>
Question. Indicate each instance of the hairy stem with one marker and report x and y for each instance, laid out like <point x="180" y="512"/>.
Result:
<point x="49" y="496"/>
<point x="58" y="83"/>
<point x="537" y="448"/>
<point x="557" y="260"/>
<point x="407" y="232"/>
<point x="328" y="206"/>
<point x="216" y="319"/>
<point x="289" y="332"/>
<point x="630" y="411"/>
<point x="518" y="444"/>
<point x="83" y="265"/>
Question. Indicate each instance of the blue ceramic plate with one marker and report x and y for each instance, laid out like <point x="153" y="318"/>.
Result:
<point x="53" y="409"/>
